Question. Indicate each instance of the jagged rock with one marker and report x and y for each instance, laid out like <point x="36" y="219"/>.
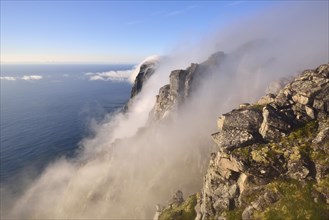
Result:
<point x="182" y="83"/>
<point x="274" y="124"/>
<point x="164" y="103"/>
<point x="267" y="99"/>
<point x="241" y="119"/>
<point x="230" y="139"/>
<point x="244" y="105"/>
<point x="251" y="172"/>
<point x="146" y="70"/>
<point x="310" y="112"/>
<point x="322" y="138"/>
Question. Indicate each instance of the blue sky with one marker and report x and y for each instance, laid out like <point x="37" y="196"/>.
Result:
<point x="109" y="31"/>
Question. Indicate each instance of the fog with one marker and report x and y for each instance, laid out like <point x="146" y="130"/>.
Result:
<point x="130" y="165"/>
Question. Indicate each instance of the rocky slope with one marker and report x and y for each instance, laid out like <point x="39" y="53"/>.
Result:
<point x="273" y="156"/>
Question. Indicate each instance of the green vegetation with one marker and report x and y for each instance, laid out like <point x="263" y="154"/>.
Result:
<point x="184" y="211"/>
<point x="298" y="201"/>
<point x="242" y="152"/>
<point x="323" y="186"/>
<point x="306" y="131"/>
<point x="235" y="214"/>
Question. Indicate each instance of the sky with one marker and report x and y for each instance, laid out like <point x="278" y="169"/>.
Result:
<point x="110" y="31"/>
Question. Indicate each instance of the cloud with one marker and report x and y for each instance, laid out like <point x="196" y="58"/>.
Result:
<point x="154" y="59"/>
<point x="25" y="77"/>
<point x="123" y="75"/>
<point x="9" y="78"/>
<point x="116" y="76"/>
<point x="31" y="77"/>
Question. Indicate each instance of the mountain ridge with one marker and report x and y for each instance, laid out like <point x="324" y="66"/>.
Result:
<point x="280" y="142"/>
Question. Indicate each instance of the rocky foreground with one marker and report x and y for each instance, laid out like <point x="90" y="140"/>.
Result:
<point x="273" y="156"/>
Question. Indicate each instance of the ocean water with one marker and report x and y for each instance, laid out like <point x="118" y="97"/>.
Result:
<point x="45" y="114"/>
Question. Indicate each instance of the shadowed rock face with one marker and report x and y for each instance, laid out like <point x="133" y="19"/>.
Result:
<point x="145" y="72"/>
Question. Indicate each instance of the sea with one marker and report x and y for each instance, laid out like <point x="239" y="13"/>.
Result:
<point x="46" y="110"/>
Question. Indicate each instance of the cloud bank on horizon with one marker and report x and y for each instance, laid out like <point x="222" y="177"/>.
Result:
<point x="25" y="77"/>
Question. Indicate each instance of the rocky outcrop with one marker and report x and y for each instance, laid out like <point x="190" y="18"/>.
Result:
<point x="272" y="157"/>
<point x="181" y="85"/>
<point x="146" y="70"/>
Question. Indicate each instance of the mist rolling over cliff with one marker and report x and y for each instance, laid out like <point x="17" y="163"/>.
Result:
<point x="162" y="142"/>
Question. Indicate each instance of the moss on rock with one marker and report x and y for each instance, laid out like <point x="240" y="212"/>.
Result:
<point x="298" y="201"/>
<point x="184" y="211"/>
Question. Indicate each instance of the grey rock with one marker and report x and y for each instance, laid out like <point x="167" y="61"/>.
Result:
<point x="267" y="99"/>
<point x="321" y="140"/>
<point x="296" y="170"/>
<point x="274" y="125"/>
<point x="310" y="112"/>
<point x="230" y="139"/>
<point x="242" y="119"/>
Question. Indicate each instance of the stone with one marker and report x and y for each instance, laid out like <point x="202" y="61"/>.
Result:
<point x="274" y="124"/>
<point x="318" y="104"/>
<point x="267" y="99"/>
<point x="296" y="170"/>
<point x="310" y="112"/>
<point x="230" y="139"/>
<point x="300" y="99"/>
<point x="241" y="119"/>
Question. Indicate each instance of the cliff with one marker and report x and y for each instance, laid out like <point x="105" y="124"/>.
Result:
<point x="145" y="71"/>
<point x="182" y="84"/>
<point x="272" y="158"/>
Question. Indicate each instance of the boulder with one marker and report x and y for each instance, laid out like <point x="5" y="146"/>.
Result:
<point x="230" y="139"/>
<point x="274" y="125"/>
<point x="241" y="119"/>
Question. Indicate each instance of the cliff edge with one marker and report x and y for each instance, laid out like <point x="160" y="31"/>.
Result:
<point x="272" y="159"/>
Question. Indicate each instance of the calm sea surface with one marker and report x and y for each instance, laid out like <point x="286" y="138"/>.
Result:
<point x="43" y="119"/>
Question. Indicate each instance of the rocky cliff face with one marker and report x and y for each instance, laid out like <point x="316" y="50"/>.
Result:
<point x="182" y="84"/>
<point x="146" y="70"/>
<point x="273" y="156"/>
